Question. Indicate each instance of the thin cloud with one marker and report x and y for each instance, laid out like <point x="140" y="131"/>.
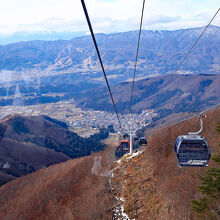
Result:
<point x="157" y="19"/>
<point x="106" y="15"/>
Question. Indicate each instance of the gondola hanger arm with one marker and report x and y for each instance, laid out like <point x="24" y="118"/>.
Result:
<point x="201" y="124"/>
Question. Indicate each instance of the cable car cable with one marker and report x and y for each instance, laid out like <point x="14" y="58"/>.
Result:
<point x="138" y="45"/>
<point x="192" y="149"/>
<point x="179" y="68"/>
<point x="197" y="40"/>
<point x="188" y="118"/>
<point x="100" y="59"/>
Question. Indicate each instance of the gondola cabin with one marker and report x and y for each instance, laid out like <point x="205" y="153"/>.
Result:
<point x="143" y="141"/>
<point x="136" y="139"/>
<point x="192" y="150"/>
<point x="126" y="136"/>
<point x="124" y="145"/>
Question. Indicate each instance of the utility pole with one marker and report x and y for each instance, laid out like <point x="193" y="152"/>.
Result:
<point x="131" y="138"/>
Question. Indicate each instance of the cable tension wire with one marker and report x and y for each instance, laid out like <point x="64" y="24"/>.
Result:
<point x="197" y="40"/>
<point x="135" y="66"/>
<point x="100" y="59"/>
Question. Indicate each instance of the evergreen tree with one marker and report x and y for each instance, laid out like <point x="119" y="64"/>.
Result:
<point x="208" y="205"/>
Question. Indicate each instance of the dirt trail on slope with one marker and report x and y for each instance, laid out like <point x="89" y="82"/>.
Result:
<point x="133" y="182"/>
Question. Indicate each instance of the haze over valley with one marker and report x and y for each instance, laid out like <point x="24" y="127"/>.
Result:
<point x="40" y="72"/>
<point x="160" y="53"/>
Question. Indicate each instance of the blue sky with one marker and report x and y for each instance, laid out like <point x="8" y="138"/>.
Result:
<point x="107" y="15"/>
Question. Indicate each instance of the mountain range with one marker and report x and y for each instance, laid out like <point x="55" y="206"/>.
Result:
<point x="160" y="53"/>
<point x="8" y="38"/>
<point x="165" y="94"/>
<point x="51" y="71"/>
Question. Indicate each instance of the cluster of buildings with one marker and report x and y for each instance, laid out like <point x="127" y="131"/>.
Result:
<point x="76" y="117"/>
<point x="99" y="119"/>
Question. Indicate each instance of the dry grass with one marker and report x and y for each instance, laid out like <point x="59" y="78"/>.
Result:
<point x="64" y="191"/>
<point x="133" y="181"/>
<point x="178" y="186"/>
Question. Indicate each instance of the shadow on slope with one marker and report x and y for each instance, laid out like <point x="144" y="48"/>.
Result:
<point x="164" y="94"/>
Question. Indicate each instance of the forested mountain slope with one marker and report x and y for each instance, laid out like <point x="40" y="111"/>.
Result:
<point x="165" y="94"/>
<point x="30" y="143"/>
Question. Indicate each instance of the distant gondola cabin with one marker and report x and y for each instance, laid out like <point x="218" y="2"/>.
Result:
<point x="143" y="141"/>
<point x="124" y="145"/>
